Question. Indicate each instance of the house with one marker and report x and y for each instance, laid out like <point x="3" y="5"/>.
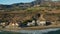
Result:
<point x="32" y="23"/>
<point x="12" y="25"/>
<point x="41" y="23"/>
<point x="2" y="24"/>
<point x="44" y="23"/>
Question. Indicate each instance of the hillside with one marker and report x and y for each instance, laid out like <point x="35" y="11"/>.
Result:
<point x="25" y="11"/>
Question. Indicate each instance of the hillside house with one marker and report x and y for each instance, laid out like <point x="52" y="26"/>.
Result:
<point x="42" y="21"/>
<point x="2" y="24"/>
<point x="32" y="23"/>
<point x="12" y="25"/>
